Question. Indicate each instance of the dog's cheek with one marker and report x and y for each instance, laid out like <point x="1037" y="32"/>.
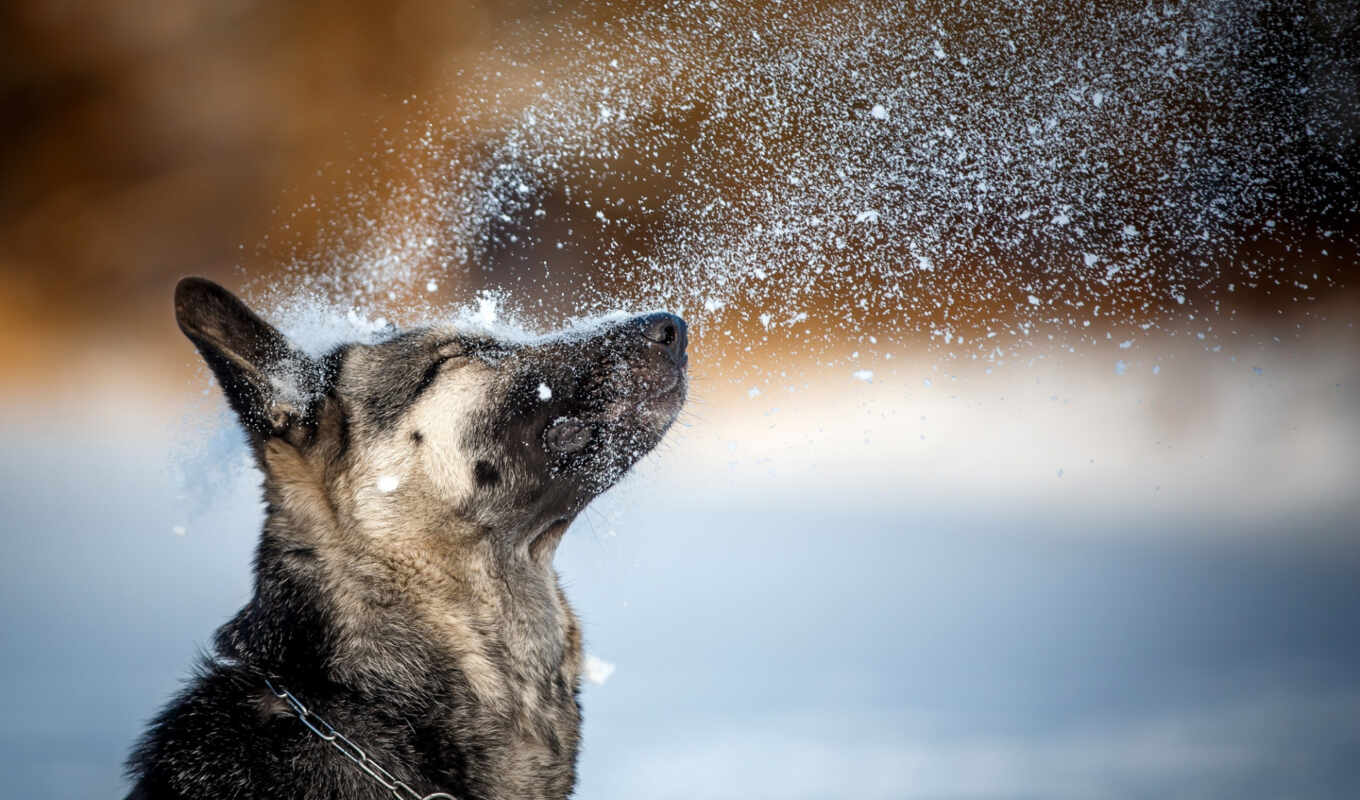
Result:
<point x="436" y="433"/>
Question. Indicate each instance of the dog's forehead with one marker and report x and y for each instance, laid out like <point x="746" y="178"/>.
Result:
<point x="384" y="379"/>
<point x="364" y="363"/>
<point x="414" y="347"/>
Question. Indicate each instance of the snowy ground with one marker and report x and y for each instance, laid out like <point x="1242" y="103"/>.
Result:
<point x="803" y="598"/>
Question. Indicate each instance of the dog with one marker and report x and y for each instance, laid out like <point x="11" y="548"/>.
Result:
<point x="408" y="635"/>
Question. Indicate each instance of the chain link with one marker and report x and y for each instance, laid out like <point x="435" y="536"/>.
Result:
<point x="352" y="751"/>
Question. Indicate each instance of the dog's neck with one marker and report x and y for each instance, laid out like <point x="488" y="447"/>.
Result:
<point x="402" y="598"/>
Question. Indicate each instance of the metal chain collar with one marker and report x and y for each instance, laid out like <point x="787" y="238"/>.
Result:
<point x="351" y="750"/>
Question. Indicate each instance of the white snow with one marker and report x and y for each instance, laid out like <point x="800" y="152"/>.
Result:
<point x="837" y="216"/>
<point x="388" y="483"/>
<point x="544" y="392"/>
<point x="359" y="323"/>
<point x="597" y="669"/>
<point x="488" y="308"/>
<point x="866" y="375"/>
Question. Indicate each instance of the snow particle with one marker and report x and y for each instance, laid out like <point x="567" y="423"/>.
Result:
<point x="388" y="483"/>
<point x="963" y="182"/>
<point x="598" y="670"/>
<point x="866" y="375"/>
<point x="544" y="392"/>
<point x="488" y="308"/>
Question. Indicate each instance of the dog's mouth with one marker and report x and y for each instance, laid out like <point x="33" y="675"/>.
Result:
<point x="545" y="542"/>
<point x="595" y="404"/>
<point x="670" y="385"/>
<point x="635" y="416"/>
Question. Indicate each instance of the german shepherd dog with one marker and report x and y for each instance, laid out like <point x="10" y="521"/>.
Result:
<point x="406" y="611"/>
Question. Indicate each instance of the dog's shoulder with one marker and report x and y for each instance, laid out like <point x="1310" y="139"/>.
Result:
<point x="222" y="735"/>
<point x="230" y="734"/>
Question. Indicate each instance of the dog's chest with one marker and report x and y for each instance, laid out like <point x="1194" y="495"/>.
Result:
<point x="541" y="762"/>
<point x="522" y="708"/>
<point x="526" y="749"/>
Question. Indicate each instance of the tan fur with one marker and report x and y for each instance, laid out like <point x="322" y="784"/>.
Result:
<point x="438" y="568"/>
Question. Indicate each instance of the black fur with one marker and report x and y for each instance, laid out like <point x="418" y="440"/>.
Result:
<point x="413" y="365"/>
<point x="486" y="474"/>
<point x="227" y="735"/>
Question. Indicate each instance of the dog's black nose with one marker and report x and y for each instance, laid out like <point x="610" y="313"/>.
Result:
<point x="666" y="332"/>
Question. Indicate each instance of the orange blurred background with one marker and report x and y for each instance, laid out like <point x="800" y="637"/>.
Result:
<point x="145" y="141"/>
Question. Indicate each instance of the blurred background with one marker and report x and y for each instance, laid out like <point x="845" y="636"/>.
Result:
<point x="1119" y="560"/>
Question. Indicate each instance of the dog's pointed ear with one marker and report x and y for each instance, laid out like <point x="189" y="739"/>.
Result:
<point x="269" y="383"/>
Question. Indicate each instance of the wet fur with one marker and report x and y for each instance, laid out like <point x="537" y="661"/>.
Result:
<point x="425" y="621"/>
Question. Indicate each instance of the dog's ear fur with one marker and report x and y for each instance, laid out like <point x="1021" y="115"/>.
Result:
<point x="269" y="383"/>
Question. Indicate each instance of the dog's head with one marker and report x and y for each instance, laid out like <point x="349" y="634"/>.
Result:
<point x="441" y="428"/>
